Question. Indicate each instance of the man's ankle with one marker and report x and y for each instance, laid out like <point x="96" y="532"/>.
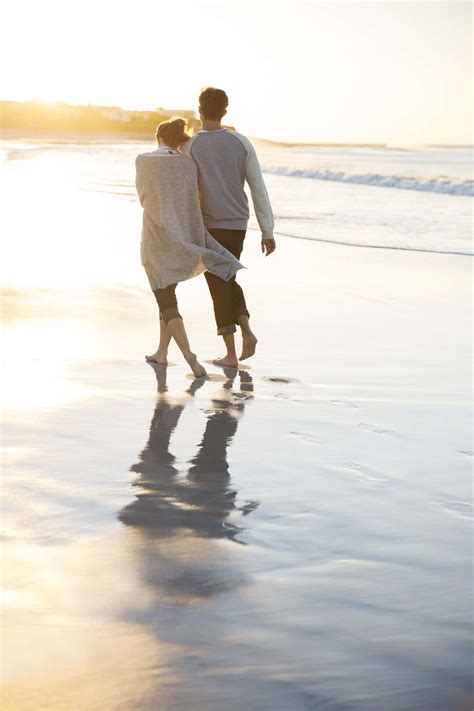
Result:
<point x="247" y="331"/>
<point x="244" y="324"/>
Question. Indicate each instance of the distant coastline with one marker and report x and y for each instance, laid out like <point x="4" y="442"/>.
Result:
<point x="335" y="144"/>
<point x="61" y="122"/>
<point x="40" y="119"/>
<point x="318" y="144"/>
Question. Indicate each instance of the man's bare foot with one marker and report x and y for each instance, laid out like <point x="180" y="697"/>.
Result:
<point x="157" y="357"/>
<point x="227" y="362"/>
<point x="198" y="370"/>
<point x="249" y="345"/>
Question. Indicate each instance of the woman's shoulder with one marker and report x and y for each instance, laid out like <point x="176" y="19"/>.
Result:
<point x="176" y="167"/>
<point x="143" y="157"/>
<point x="175" y="158"/>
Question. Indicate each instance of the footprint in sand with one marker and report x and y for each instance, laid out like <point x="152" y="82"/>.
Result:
<point x="343" y="403"/>
<point x="464" y="509"/>
<point x="275" y="379"/>
<point x="371" y="428"/>
<point x="362" y="471"/>
<point x="306" y="437"/>
<point x="467" y="453"/>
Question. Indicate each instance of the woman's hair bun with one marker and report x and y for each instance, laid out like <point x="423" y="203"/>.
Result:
<point x="179" y="121"/>
<point x="173" y="132"/>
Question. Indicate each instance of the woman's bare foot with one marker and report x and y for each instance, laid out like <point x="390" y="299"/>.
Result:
<point x="249" y="345"/>
<point x="157" y="357"/>
<point x="198" y="370"/>
<point x="227" y="362"/>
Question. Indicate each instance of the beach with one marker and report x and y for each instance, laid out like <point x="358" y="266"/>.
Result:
<point x="289" y="536"/>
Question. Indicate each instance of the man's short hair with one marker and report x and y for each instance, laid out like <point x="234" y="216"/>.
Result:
<point x="213" y="103"/>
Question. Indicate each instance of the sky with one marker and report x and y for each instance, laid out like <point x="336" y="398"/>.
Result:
<point x="369" y="72"/>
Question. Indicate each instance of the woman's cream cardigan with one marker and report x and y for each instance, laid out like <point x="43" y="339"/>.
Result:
<point x="175" y="245"/>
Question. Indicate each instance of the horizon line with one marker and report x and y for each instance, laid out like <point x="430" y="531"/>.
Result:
<point x="277" y="142"/>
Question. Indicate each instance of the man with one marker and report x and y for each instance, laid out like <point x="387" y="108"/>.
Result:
<point x="225" y="161"/>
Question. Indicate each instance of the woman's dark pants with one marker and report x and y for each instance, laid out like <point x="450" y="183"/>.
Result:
<point x="227" y="296"/>
<point x="167" y="303"/>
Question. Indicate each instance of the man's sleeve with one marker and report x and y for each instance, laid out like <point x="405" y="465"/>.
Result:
<point x="258" y="190"/>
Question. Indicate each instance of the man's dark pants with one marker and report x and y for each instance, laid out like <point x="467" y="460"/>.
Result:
<point x="227" y="296"/>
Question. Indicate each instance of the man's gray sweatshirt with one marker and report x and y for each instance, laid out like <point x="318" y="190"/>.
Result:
<point x="225" y="161"/>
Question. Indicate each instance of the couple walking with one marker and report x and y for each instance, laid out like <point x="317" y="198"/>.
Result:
<point x="195" y="214"/>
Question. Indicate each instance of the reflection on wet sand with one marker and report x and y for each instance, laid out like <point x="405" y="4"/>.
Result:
<point x="201" y="501"/>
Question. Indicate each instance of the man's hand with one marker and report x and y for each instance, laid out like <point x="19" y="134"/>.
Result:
<point x="268" y="246"/>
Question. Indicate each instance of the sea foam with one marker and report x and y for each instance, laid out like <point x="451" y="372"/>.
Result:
<point x="435" y="185"/>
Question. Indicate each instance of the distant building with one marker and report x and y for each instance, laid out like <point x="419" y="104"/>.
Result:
<point x="112" y="113"/>
<point x="40" y="117"/>
<point x="168" y="113"/>
<point x="115" y="113"/>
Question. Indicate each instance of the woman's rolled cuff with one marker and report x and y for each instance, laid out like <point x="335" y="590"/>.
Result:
<point x="168" y="314"/>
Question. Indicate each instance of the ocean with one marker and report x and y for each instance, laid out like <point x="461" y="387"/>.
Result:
<point x="70" y="212"/>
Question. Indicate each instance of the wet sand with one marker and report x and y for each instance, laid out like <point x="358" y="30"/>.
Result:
<point x="289" y="536"/>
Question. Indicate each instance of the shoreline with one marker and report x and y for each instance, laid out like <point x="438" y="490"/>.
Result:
<point x="374" y="246"/>
<point x="70" y="137"/>
<point x="105" y="137"/>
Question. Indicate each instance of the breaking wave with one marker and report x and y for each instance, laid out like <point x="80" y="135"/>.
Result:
<point x="433" y="185"/>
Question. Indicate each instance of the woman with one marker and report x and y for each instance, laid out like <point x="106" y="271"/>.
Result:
<point x="175" y="244"/>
